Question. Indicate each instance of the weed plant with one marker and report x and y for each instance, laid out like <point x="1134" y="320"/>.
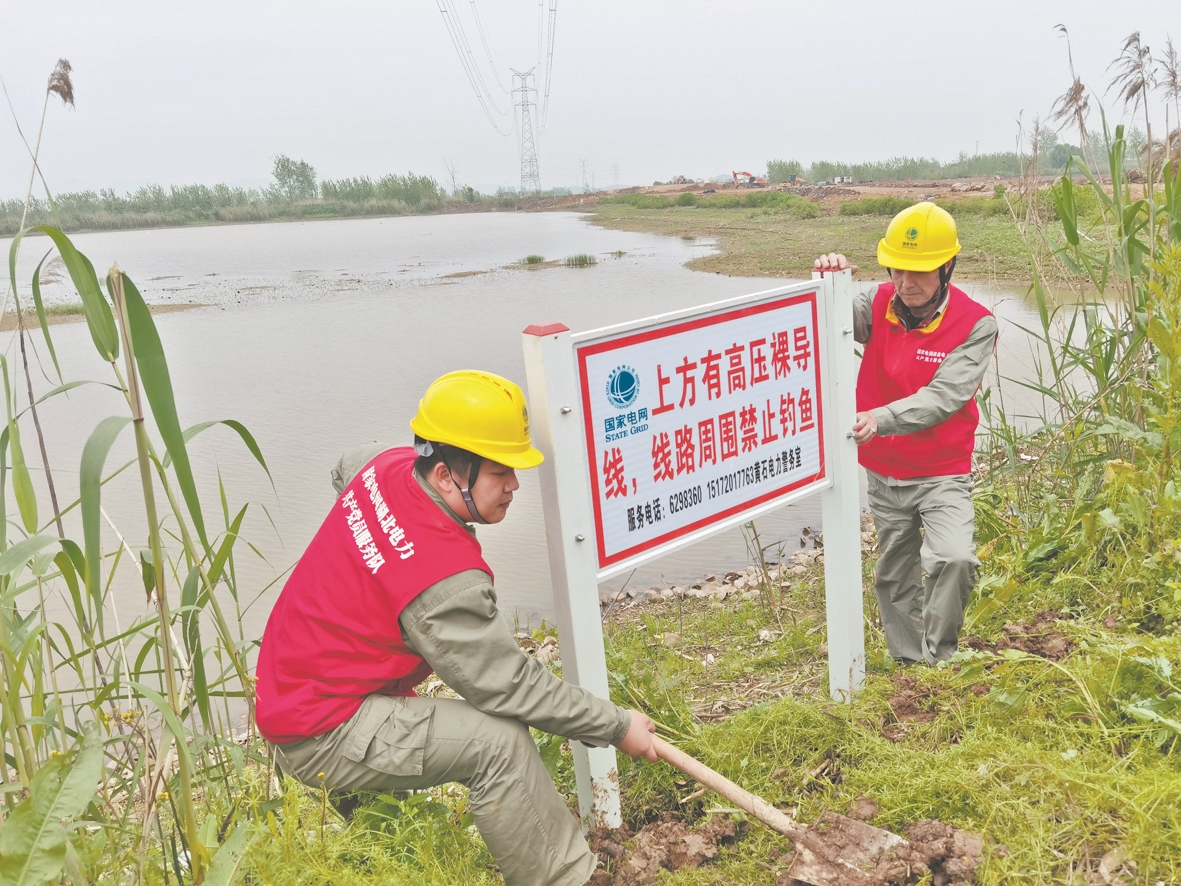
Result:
<point x="582" y="260"/>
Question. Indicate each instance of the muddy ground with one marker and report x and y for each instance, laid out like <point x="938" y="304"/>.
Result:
<point x="933" y="853"/>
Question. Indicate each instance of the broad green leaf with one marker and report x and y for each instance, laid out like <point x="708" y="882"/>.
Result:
<point x="99" y="318"/>
<point x="33" y="839"/>
<point x="228" y="859"/>
<point x="242" y="432"/>
<point x="1064" y="201"/>
<point x="157" y="385"/>
<point x="70" y="385"/>
<point x="40" y="306"/>
<point x="3" y="483"/>
<point x="66" y="566"/>
<point x="15" y="557"/>
<point x="191" y="635"/>
<point x="94" y="456"/>
<point x="22" y="483"/>
<point x="227" y="546"/>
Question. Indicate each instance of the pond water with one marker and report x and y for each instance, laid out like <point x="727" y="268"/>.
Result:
<point x="320" y="336"/>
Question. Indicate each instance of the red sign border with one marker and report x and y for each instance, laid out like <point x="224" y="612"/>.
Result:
<point x="598" y="347"/>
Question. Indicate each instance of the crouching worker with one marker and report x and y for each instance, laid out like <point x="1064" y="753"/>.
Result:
<point x="927" y="345"/>
<point x="393" y="587"/>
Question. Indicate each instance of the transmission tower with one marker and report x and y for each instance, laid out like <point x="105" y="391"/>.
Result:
<point x="615" y="175"/>
<point x="585" y="186"/>
<point x="530" y="171"/>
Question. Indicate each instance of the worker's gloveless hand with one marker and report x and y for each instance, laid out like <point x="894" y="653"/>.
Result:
<point x="834" y="261"/>
<point x="865" y="427"/>
<point x="638" y="741"/>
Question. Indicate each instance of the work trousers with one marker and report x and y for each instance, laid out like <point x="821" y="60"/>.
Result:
<point x="922" y="618"/>
<point x="397" y="744"/>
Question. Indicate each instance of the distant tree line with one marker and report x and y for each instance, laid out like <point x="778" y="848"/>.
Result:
<point x="295" y="193"/>
<point x="1052" y="156"/>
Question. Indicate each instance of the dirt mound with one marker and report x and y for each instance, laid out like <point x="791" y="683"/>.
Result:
<point x="911" y="703"/>
<point x="667" y="844"/>
<point x="935" y="853"/>
<point x="1035" y="638"/>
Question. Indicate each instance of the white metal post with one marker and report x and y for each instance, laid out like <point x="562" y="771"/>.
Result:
<point x="840" y="503"/>
<point x="556" y="418"/>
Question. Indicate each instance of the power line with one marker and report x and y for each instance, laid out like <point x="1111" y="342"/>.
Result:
<point x="549" y="60"/>
<point x="487" y="49"/>
<point x="459" y="41"/>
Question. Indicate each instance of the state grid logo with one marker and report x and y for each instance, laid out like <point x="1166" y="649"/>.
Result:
<point x="623" y="386"/>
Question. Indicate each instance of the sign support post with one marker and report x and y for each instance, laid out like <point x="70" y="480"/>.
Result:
<point x="840" y="503"/>
<point x="557" y="431"/>
<point x="738" y="408"/>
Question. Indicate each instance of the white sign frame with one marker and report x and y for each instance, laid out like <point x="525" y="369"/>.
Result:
<point x="559" y="432"/>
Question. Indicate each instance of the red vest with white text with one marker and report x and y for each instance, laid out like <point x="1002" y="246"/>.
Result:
<point x="333" y="637"/>
<point x="896" y="364"/>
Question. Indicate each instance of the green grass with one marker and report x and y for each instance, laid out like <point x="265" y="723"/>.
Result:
<point x="762" y="242"/>
<point x="534" y="259"/>
<point x="582" y="260"/>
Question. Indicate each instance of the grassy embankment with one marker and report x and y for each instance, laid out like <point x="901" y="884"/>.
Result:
<point x="777" y="234"/>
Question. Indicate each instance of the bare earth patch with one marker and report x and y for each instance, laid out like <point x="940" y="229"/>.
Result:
<point x="1034" y="638"/>
<point x="665" y="845"/>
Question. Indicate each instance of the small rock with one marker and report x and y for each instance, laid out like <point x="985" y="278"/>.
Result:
<point x="672" y="639"/>
<point x="659" y="598"/>
<point x="550" y="641"/>
<point x="740" y="584"/>
<point x="548" y="654"/>
<point x="823" y="650"/>
<point x="709" y="658"/>
<point x="799" y="570"/>
<point x="766" y="636"/>
<point x="752" y="595"/>
<point x="711" y="578"/>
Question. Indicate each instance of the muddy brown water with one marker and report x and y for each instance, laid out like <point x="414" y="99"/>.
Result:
<point x="320" y="336"/>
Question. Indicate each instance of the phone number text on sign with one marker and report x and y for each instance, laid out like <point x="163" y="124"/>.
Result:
<point x="694" y="422"/>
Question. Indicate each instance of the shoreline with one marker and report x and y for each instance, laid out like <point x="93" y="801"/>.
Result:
<point x="75" y="314"/>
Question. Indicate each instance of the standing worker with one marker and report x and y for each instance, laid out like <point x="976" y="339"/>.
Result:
<point x="927" y="345"/>
<point x="393" y="587"/>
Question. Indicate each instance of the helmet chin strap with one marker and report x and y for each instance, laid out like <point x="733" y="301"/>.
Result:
<point x="466" y="492"/>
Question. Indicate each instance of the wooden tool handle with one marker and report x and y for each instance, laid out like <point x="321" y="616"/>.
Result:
<point x="719" y="784"/>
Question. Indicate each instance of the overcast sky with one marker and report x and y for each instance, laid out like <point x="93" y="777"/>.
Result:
<point x="181" y="92"/>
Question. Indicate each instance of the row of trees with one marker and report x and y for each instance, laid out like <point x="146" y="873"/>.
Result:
<point x="1053" y="154"/>
<point x="295" y="188"/>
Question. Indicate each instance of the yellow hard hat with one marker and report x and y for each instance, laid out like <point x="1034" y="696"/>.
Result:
<point x="920" y="238"/>
<point x="480" y="412"/>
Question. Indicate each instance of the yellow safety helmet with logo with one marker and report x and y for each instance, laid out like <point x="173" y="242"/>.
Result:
<point x="920" y="238"/>
<point x="480" y="412"/>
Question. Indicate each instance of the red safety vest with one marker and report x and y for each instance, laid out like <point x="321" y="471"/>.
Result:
<point x="333" y="637"/>
<point x="896" y="364"/>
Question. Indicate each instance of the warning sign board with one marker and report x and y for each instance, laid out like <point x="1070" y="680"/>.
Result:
<point x="700" y="420"/>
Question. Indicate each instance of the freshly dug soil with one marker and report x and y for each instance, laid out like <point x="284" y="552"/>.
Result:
<point x="936" y="851"/>
<point x="910" y="703"/>
<point x="667" y="844"/>
<point x="1035" y="638"/>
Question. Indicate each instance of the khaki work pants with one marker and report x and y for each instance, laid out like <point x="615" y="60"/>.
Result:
<point x="922" y="619"/>
<point x="397" y="744"/>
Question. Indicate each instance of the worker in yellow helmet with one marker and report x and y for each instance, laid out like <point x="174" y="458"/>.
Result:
<point x="927" y="345"/>
<point x="393" y="587"/>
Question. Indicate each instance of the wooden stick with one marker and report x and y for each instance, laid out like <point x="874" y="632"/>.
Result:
<point x="719" y="784"/>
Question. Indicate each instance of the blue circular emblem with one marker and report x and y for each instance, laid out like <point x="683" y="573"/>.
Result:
<point x="623" y="386"/>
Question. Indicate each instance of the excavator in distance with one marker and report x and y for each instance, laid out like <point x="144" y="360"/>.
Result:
<point x="748" y="180"/>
